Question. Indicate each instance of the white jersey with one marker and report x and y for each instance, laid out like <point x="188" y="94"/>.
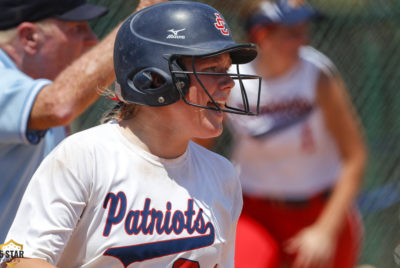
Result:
<point x="286" y="151"/>
<point x="98" y="200"/>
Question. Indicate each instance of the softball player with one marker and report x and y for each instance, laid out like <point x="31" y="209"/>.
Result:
<point x="302" y="159"/>
<point x="136" y="192"/>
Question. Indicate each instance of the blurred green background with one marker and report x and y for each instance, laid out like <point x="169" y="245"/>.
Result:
<point x="362" y="37"/>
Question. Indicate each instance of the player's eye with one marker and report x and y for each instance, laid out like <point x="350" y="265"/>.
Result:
<point x="212" y="69"/>
<point x="215" y="69"/>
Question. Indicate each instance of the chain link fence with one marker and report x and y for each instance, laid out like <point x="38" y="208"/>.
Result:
<point x="362" y="37"/>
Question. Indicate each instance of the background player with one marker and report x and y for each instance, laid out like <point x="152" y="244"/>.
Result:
<point x="302" y="159"/>
<point x="136" y="191"/>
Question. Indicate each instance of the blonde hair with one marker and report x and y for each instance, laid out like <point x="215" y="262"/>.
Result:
<point x="122" y="110"/>
<point x="6" y="36"/>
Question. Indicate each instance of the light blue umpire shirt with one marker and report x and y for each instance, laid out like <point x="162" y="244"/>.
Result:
<point x="21" y="150"/>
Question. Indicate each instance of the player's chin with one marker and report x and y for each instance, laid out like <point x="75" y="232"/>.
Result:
<point x="214" y="127"/>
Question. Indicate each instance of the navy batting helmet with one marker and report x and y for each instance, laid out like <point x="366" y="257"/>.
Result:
<point x="150" y="43"/>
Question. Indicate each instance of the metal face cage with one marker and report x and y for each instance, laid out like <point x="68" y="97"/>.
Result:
<point x="182" y="87"/>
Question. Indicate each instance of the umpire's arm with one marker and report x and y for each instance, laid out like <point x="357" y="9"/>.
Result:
<point x="78" y="86"/>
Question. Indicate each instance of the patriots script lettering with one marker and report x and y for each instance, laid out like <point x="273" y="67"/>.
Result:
<point x="150" y="221"/>
<point x="146" y="221"/>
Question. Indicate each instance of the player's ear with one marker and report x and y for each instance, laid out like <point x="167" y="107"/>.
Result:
<point x="30" y="37"/>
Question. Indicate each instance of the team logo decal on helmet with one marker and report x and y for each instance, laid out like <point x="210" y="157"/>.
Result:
<point x="220" y="25"/>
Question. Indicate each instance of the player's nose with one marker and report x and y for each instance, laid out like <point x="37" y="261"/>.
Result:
<point x="226" y="84"/>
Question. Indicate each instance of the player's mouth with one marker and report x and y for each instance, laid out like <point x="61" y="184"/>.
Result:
<point x="220" y="104"/>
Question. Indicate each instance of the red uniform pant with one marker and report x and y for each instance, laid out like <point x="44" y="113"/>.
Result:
<point x="264" y="226"/>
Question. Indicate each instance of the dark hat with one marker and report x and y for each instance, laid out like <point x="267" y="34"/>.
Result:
<point x="13" y="12"/>
<point x="281" y="12"/>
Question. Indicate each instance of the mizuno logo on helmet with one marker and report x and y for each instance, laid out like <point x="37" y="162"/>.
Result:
<point x="175" y="35"/>
<point x="220" y="25"/>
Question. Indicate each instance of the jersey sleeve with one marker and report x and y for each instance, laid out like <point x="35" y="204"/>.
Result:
<point x="17" y="96"/>
<point x="53" y="202"/>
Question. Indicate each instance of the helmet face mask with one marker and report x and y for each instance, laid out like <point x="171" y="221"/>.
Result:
<point x="182" y="83"/>
<point x="150" y="45"/>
